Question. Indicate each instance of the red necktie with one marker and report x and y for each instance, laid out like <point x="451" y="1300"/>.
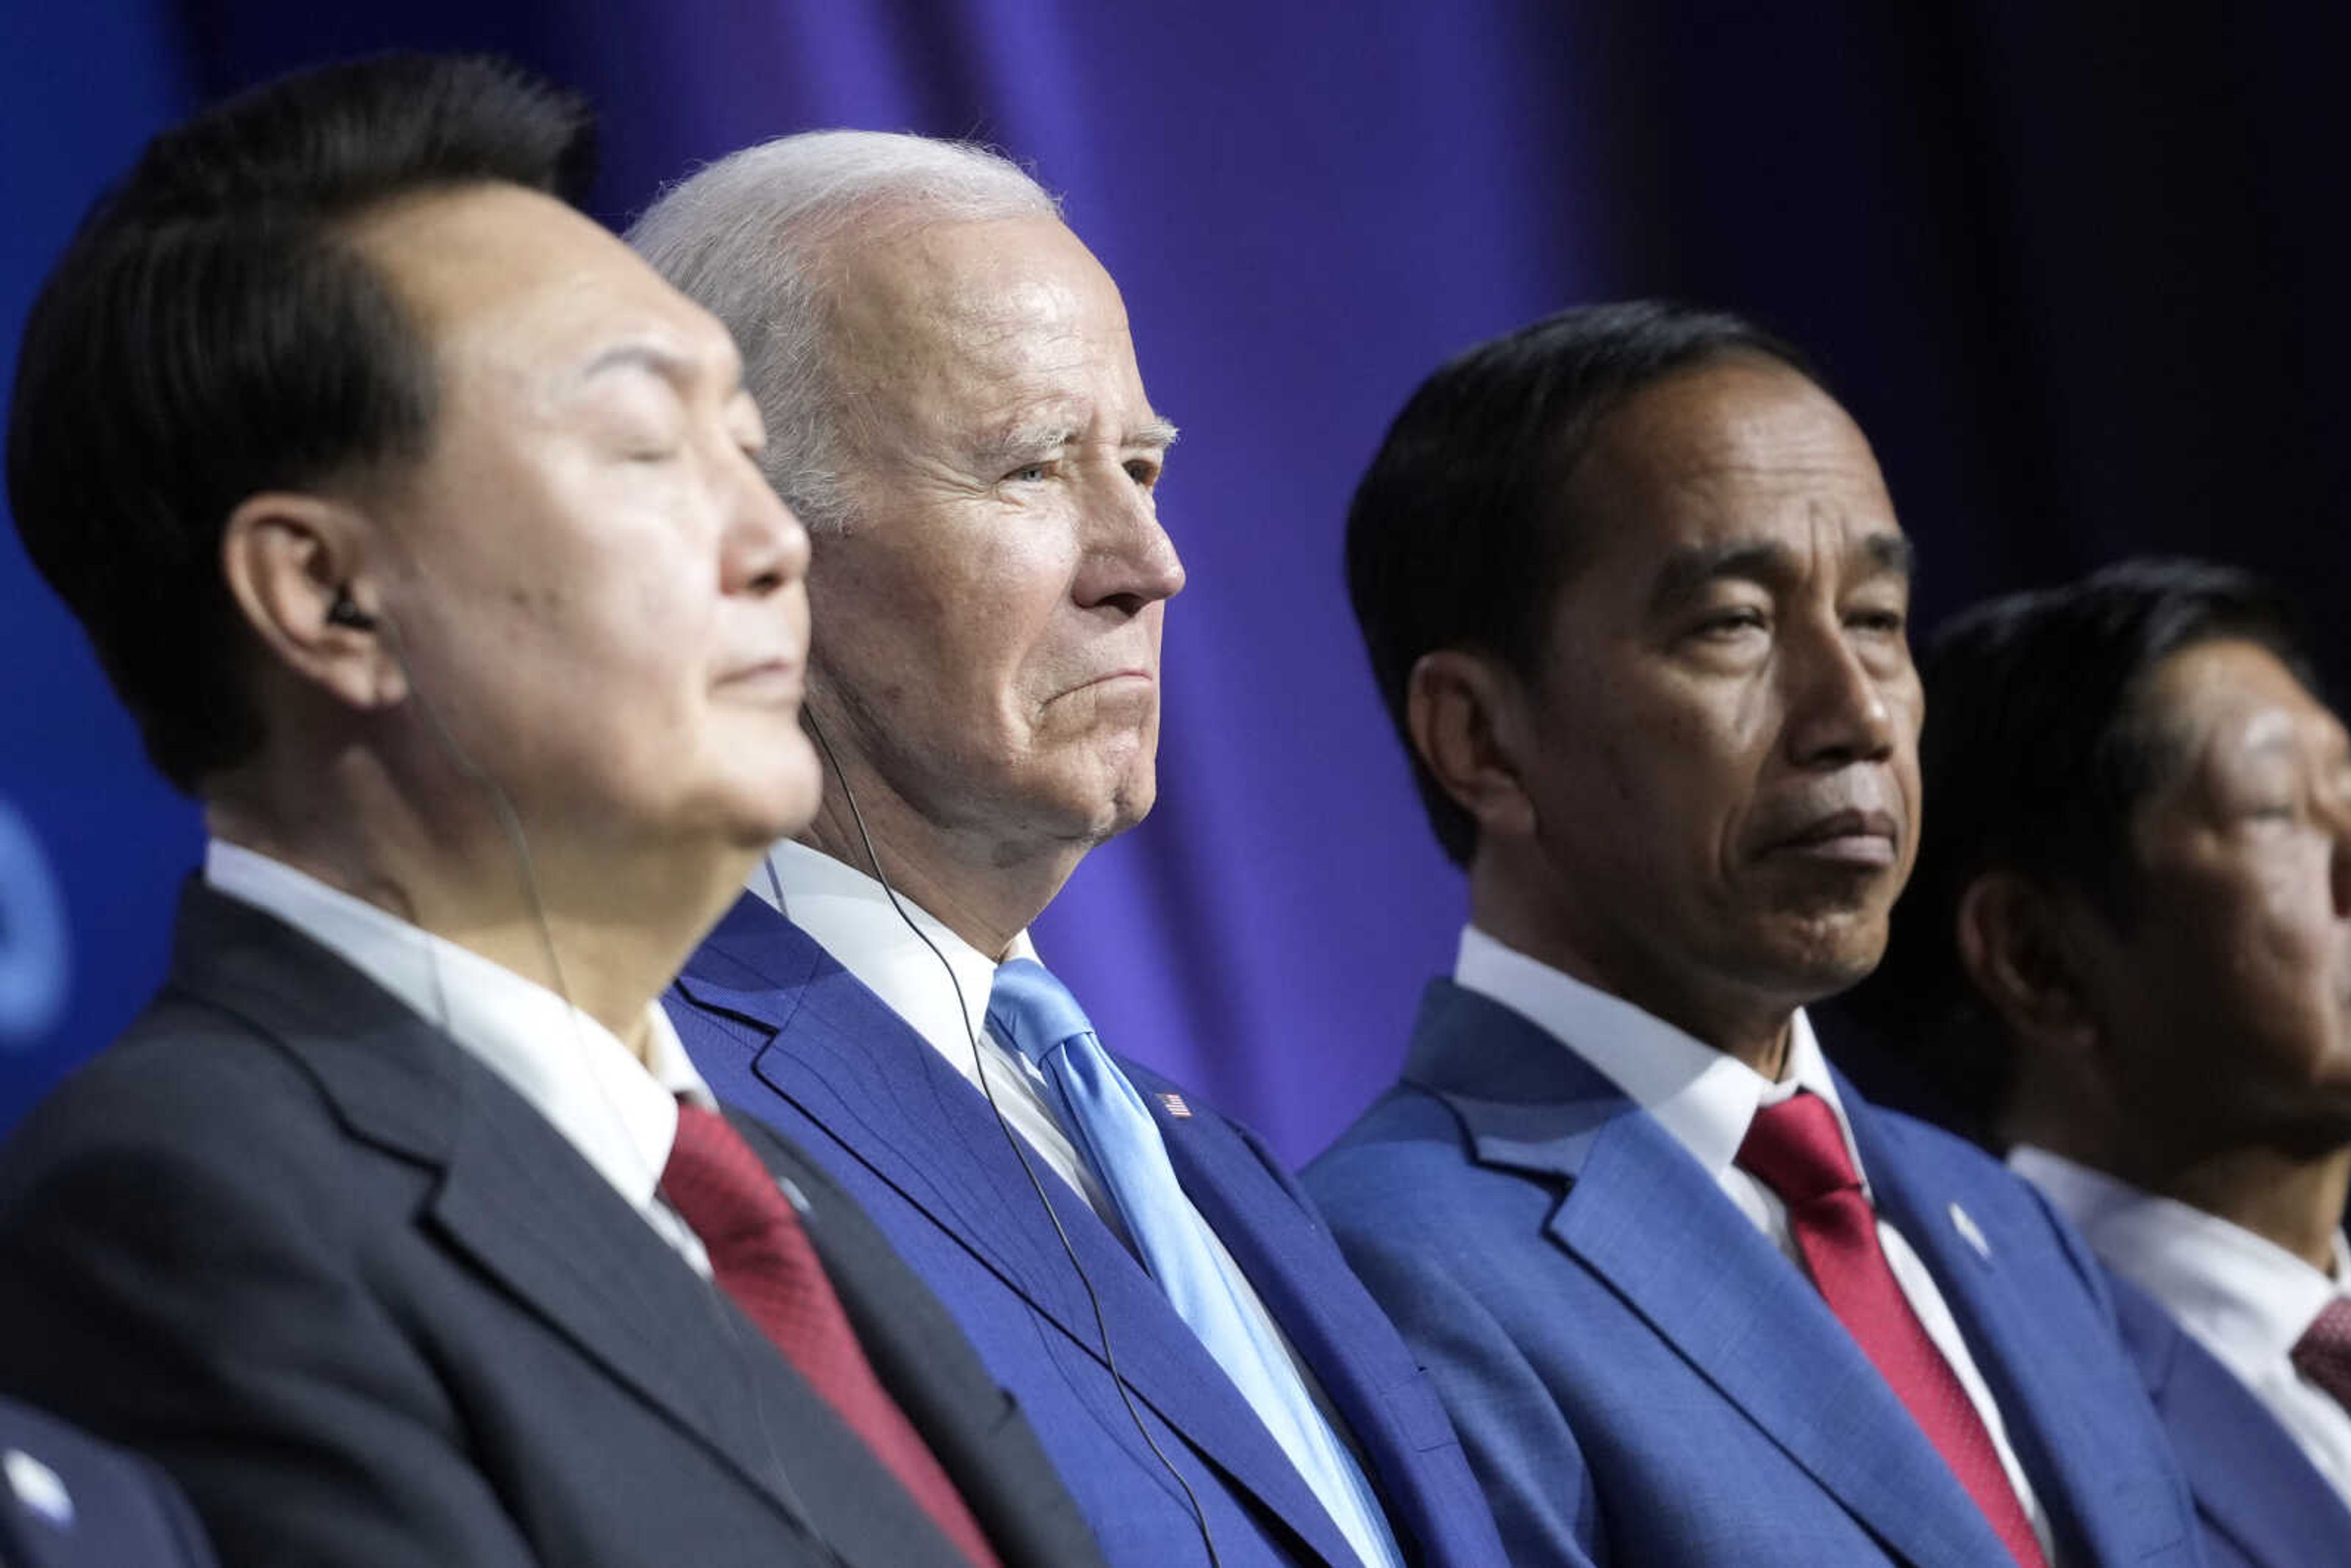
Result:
<point x="762" y="1258"/>
<point x="1796" y="1149"/>
<point x="2322" y="1353"/>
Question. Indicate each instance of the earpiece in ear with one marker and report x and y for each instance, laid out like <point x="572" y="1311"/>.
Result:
<point x="343" y="612"/>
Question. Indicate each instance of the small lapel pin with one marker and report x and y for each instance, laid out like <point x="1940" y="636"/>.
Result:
<point x="38" y="1488"/>
<point x="1175" y="1104"/>
<point x="1964" y="1223"/>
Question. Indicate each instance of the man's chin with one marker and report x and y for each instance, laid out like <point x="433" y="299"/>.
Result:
<point x="1818" y="956"/>
<point x="1097" y="816"/>
<point x="788" y="800"/>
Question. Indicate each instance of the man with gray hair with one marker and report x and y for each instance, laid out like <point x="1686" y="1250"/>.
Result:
<point x="953" y="405"/>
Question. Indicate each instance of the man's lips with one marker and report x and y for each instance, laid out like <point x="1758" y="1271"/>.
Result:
<point x="1853" y="838"/>
<point x="1109" y="679"/>
<point x="771" y="680"/>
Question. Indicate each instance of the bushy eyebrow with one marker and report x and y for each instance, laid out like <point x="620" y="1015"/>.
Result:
<point x="1019" y="442"/>
<point x="1769" y="562"/>
<point x="1157" y="435"/>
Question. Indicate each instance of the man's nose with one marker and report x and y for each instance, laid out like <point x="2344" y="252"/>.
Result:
<point x="1130" y="562"/>
<point x="1840" y="710"/>
<point x="765" y="548"/>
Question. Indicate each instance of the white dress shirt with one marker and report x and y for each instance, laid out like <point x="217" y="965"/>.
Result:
<point x="1705" y="1099"/>
<point x="620" y="1113"/>
<point x="848" y="914"/>
<point x="2241" y="1296"/>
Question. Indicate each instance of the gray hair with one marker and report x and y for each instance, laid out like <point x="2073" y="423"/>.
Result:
<point x="746" y="238"/>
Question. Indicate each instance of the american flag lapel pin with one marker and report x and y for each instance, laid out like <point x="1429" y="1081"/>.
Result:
<point x="1175" y="1104"/>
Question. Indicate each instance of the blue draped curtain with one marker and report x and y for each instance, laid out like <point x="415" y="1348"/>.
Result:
<point x="2073" y="267"/>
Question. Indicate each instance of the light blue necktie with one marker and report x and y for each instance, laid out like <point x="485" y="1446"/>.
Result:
<point x="1111" y="1127"/>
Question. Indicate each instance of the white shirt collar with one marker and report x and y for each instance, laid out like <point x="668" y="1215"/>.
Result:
<point x="849" y="916"/>
<point x="573" y="1071"/>
<point x="1705" y="1098"/>
<point x="2220" y="1280"/>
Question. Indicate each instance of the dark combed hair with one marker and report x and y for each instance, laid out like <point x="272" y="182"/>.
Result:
<point x="1460" y="534"/>
<point x="209" y="334"/>
<point x="2036" y="756"/>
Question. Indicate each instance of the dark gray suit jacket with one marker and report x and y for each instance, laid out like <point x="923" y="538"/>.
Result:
<point x="369" y="1307"/>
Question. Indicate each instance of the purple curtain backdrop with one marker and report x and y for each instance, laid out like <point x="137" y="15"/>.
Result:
<point x="2077" y="280"/>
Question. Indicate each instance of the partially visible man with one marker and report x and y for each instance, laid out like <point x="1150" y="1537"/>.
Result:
<point x="2128" y="951"/>
<point x="1635" y="597"/>
<point x="420" y="527"/>
<point x="948" y="378"/>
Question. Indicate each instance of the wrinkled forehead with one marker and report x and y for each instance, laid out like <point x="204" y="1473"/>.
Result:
<point x="968" y="311"/>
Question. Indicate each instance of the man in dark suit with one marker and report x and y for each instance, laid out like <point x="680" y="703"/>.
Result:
<point x="68" y="1502"/>
<point x="2127" y="952"/>
<point x="1635" y="596"/>
<point x="958" y="410"/>
<point x="420" y="527"/>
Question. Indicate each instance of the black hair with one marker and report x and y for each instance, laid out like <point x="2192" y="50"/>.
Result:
<point x="210" y="334"/>
<point x="1461" y="533"/>
<point x="2037" y="753"/>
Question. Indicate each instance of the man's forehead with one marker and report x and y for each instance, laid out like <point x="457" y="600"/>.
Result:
<point x="1735" y="426"/>
<point x="987" y="294"/>
<point x="505" y="278"/>
<point x="2236" y="691"/>
<point x="1727" y="456"/>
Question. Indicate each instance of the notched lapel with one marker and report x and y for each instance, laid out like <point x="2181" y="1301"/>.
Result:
<point x="852" y="1066"/>
<point x="1644" y="1219"/>
<point x="523" y="1203"/>
<point x="1329" y="1317"/>
<point x="855" y="1068"/>
<point x="2055" y="1389"/>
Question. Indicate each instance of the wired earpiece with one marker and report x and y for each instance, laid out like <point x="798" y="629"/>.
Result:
<point x="1003" y="1126"/>
<point x="345" y="611"/>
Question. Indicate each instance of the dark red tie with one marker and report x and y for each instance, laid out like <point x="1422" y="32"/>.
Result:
<point x="762" y="1258"/>
<point x="2322" y="1353"/>
<point x="1796" y="1149"/>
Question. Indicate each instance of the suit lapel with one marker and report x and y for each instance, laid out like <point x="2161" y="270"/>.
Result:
<point x="970" y="1425"/>
<point x="2032" y="1379"/>
<point x="519" y="1201"/>
<point x="2053" y="1398"/>
<point x="521" y="1204"/>
<point x="853" y="1067"/>
<point x="1645" y="1219"/>
<point x="1331" y="1320"/>
<point x="2253" y="1483"/>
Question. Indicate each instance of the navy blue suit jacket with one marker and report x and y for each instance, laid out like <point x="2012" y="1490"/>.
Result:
<point x="1640" y="1375"/>
<point x="779" y="1029"/>
<point x="108" y="1509"/>
<point x="2261" y="1503"/>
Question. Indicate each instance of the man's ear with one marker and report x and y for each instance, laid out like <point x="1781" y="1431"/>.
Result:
<point x="2018" y="947"/>
<point x="290" y="559"/>
<point x="1463" y="711"/>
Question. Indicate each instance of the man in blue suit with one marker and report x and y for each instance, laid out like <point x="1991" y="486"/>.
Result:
<point x="954" y="408"/>
<point x="2127" y="952"/>
<point x="1635" y="597"/>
